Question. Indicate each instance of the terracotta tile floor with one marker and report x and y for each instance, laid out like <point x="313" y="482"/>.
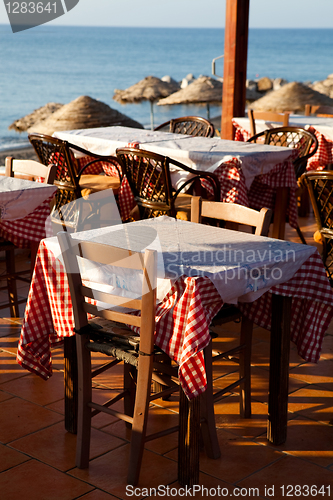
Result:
<point x="37" y="456"/>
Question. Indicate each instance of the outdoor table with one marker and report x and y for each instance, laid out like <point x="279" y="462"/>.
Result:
<point x="281" y="286"/>
<point x="250" y="174"/>
<point x="24" y="207"/>
<point x="321" y="127"/>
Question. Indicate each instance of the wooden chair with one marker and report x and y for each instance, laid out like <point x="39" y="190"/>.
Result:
<point x="320" y="188"/>
<point x="148" y="175"/>
<point x="29" y="169"/>
<point x="71" y="182"/>
<point x="259" y="221"/>
<point x="189" y="125"/>
<point x="269" y="116"/>
<point x="108" y="333"/>
<point x="318" y="110"/>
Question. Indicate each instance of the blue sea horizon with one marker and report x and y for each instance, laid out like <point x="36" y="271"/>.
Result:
<point x="59" y="63"/>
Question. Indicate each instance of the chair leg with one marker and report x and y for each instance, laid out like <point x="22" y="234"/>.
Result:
<point x="130" y="389"/>
<point x="140" y="416"/>
<point x="84" y="397"/>
<point x="11" y="284"/>
<point x="245" y="367"/>
<point x="300" y="234"/>
<point x="208" y="427"/>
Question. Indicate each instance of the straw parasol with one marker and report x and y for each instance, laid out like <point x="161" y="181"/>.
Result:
<point x="150" y="89"/>
<point x="291" y="97"/>
<point x="83" y="112"/>
<point x="22" y="124"/>
<point x="324" y="86"/>
<point x="204" y="90"/>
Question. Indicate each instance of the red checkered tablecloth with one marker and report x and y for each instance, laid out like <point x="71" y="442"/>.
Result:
<point x="23" y="231"/>
<point x="324" y="154"/>
<point x="182" y="318"/>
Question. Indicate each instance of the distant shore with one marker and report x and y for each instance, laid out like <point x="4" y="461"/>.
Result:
<point x="27" y="153"/>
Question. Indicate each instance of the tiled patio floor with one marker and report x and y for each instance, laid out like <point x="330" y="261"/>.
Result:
<point x="37" y="456"/>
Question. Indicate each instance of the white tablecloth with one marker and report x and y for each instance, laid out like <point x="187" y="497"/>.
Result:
<point x="20" y="197"/>
<point x="199" y="153"/>
<point x="241" y="266"/>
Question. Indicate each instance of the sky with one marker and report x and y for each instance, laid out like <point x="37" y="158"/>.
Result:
<point x="192" y="13"/>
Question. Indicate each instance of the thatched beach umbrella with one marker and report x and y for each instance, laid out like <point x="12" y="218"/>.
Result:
<point x="149" y="89"/>
<point x="324" y="86"/>
<point x="204" y="90"/>
<point x="83" y="112"/>
<point x="291" y="97"/>
<point x="22" y="124"/>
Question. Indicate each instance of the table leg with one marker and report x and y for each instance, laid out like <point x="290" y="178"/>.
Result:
<point x="33" y="253"/>
<point x="280" y="212"/>
<point x="279" y="369"/>
<point x="189" y="440"/>
<point x="70" y="383"/>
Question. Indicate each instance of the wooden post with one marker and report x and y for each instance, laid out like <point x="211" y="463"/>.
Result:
<point x="235" y="64"/>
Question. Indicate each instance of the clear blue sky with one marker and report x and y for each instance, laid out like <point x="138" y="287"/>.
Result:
<point x="194" y="13"/>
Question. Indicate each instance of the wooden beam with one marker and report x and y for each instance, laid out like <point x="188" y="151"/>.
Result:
<point x="235" y="63"/>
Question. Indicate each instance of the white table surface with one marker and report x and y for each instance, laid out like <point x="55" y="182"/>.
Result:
<point x="242" y="266"/>
<point x="323" y="125"/>
<point x="199" y="153"/>
<point x="20" y="197"/>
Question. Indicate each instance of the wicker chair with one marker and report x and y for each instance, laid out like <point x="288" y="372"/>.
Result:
<point x="189" y="125"/>
<point x="68" y="177"/>
<point x="320" y="188"/>
<point x="148" y="175"/>
<point x="291" y="137"/>
<point x="270" y="116"/>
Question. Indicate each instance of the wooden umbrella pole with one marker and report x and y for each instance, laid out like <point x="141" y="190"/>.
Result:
<point x="152" y="115"/>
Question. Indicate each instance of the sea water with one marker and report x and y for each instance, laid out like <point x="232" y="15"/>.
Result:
<point x="58" y="64"/>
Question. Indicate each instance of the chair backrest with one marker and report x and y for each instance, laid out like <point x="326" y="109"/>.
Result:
<point x="148" y="175"/>
<point x="87" y="297"/>
<point x="320" y="188"/>
<point x="231" y="212"/>
<point x="52" y="150"/>
<point x="270" y="116"/>
<point x="292" y="137"/>
<point x="319" y="110"/>
<point x="189" y="125"/>
<point x="30" y="168"/>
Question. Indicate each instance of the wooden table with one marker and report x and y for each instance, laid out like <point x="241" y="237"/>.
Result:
<point x="282" y="290"/>
<point x="245" y="171"/>
<point x="24" y="208"/>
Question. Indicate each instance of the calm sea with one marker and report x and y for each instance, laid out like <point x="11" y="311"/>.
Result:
<point x="58" y="64"/>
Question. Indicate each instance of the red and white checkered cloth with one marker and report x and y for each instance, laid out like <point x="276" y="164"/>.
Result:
<point x="324" y="154"/>
<point x="30" y="228"/>
<point x="182" y="318"/>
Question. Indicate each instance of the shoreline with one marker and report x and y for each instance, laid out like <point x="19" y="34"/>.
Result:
<point x="26" y="153"/>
